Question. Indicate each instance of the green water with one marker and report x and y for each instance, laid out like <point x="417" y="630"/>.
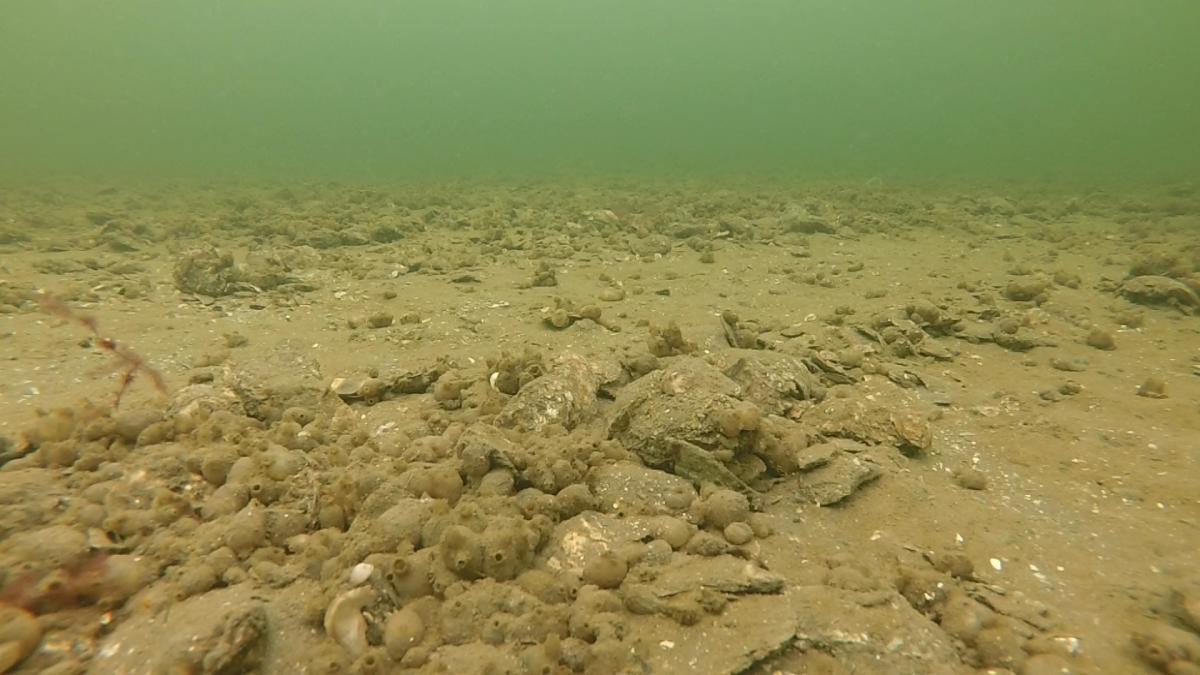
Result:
<point x="365" y="89"/>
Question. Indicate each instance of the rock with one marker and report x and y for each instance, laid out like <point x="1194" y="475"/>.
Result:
<point x="207" y="271"/>
<point x="953" y="562"/>
<point x="403" y="631"/>
<point x="272" y="268"/>
<point x="399" y="527"/>
<point x="129" y="424"/>
<point x="577" y="541"/>
<point x="873" y="422"/>
<point x="797" y="219"/>
<point x="1020" y="340"/>
<point x="286" y="376"/>
<point x="1161" y="291"/>
<point x="668" y="340"/>
<point x="559" y="319"/>
<point x="1070" y="365"/>
<point x="47" y="547"/>
<point x="738" y="534"/>
<point x="837" y="479"/>
<point x="606" y="570"/>
<point x="544" y="276"/>
<point x="738" y="334"/>
<point x="912" y="432"/>
<point x="994" y="205"/>
<point x="192" y="404"/>
<point x="474" y="657"/>
<point x="772" y="380"/>
<point x="20" y="633"/>
<point x="483" y="447"/>
<point x="1185" y="605"/>
<point x="722" y="508"/>
<point x="753" y="628"/>
<point x="1026" y="289"/>
<point x="28" y="498"/>
<point x="123" y="237"/>
<point x="935" y="350"/>
<point x="380" y="319"/>
<point x="222" y="631"/>
<point x="1153" y="387"/>
<point x="10" y="450"/>
<point x="702" y="466"/>
<point x="1101" y="339"/>
<point x="976" y="332"/>
<point x="821" y="454"/>
<point x="565" y="395"/>
<point x="612" y="294"/>
<point x="689" y="418"/>
<point x="829" y="371"/>
<point x="416" y="380"/>
<point x="1160" y="644"/>
<point x="724" y="573"/>
<point x="673" y="404"/>
<point x="631" y="489"/>
<point x="970" y="478"/>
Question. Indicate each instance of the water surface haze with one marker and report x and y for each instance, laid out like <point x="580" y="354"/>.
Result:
<point x="370" y="89"/>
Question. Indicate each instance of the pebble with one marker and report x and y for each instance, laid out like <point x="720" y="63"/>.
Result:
<point x="738" y="534"/>
<point x="606" y="570"/>
<point x="1070" y="365"/>
<point x="1153" y="387"/>
<point x="380" y="320"/>
<point x="612" y="294"/>
<point x="403" y="631"/>
<point x="723" y="507"/>
<point x="1101" y="339"/>
<point x="970" y="478"/>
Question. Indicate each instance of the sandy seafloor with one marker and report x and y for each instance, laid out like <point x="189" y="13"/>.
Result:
<point x="960" y="430"/>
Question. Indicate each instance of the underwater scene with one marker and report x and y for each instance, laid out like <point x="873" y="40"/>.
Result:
<point x="768" y="337"/>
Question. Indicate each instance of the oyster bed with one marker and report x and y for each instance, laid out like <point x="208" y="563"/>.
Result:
<point x="594" y="429"/>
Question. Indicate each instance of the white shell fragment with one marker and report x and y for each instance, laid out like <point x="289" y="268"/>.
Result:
<point x="346" y="386"/>
<point x="360" y="573"/>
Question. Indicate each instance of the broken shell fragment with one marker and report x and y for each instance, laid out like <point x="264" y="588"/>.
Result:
<point x="346" y="387"/>
<point x="369" y="390"/>
<point x="344" y="620"/>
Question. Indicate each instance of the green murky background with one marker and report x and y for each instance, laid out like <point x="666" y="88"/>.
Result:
<point x="367" y="89"/>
